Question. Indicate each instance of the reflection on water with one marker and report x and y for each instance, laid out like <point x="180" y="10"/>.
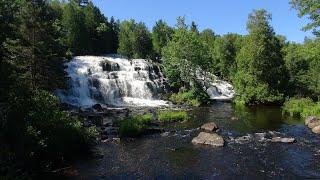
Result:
<point x="173" y="156"/>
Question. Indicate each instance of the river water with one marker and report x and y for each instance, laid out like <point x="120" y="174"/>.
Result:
<point x="171" y="155"/>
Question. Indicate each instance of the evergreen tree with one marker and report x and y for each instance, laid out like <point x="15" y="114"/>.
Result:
<point x="161" y="34"/>
<point x="134" y="40"/>
<point x="261" y="75"/>
<point x="225" y="50"/>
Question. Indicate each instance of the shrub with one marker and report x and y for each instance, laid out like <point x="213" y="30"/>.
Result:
<point x="38" y="134"/>
<point x="134" y="126"/>
<point x="301" y="107"/>
<point x="191" y="97"/>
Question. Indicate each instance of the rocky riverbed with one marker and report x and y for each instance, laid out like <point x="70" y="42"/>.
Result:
<point x="257" y="142"/>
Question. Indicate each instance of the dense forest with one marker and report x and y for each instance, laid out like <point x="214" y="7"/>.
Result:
<point x="37" y="37"/>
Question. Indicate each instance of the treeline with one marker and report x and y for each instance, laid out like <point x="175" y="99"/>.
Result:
<point x="264" y="67"/>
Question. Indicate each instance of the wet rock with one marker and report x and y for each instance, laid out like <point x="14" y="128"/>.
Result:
<point x="110" y="131"/>
<point x="261" y="136"/>
<point x="316" y="129"/>
<point x="165" y="134"/>
<point x="243" y="139"/>
<point x="107" y="122"/>
<point x="310" y="119"/>
<point x="153" y="130"/>
<point x="314" y="124"/>
<point x="114" y="139"/>
<point x="97" y="107"/>
<point x="282" y="140"/>
<point x="110" y="66"/>
<point x="211" y="126"/>
<point x="208" y="139"/>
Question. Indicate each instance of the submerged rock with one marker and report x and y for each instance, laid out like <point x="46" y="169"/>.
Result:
<point x="208" y="139"/>
<point x="282" y="140"/>
<point x="316" y="129"/>
<point x="211" y="126"/>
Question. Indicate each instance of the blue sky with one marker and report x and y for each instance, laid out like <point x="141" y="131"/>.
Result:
<point x="222" y="16"/>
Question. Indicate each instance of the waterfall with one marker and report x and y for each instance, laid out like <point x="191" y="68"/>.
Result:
<point x="117" y="81"/>
<point x="113" y="81"/>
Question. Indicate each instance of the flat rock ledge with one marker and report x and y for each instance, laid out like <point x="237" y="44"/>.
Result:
<point x="211" y="126"/>
<point x="313" y="123"/>
<point x="283" y="140"/>
<point x="211" y="139"/>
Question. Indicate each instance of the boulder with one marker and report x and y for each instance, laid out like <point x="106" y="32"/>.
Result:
<point x="98" y="107"/>
<point x="314" y="124"/>
<point x="282" y="140"/>
<point x="310" y="119"/>
<point x="316" y="129"/>
<point x="211" y="126"/>
<point x="208" y="139"/>
<point x="110" y="66"/>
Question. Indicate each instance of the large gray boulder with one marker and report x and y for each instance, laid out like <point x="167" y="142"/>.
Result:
<point x="314" y="124"/>
<point x="211" y="126"/>
<point x="208" y="139"/>
<point x="310" y="119"/>
<point x="316" y="130"/>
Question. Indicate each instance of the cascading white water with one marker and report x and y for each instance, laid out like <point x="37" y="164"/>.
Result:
<point x="113" y="81"/>
<point x="122" y="82"/>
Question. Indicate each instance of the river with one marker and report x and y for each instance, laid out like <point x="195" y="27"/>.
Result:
<point x="171" y="155"/>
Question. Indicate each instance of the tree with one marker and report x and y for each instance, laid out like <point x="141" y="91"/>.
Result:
<point x="225" y="50"/>
<point x="310" y="8"/>
<point x="194" y="27"/>
<point x="261" y="75"/>
<point x="134" y="40"/>
<point x="161" y="34"/>
<point x="302" y="62"/>
<point x="183" y="56"/>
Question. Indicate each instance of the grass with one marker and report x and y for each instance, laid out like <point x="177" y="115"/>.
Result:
<point x="135" y="126"/>
<point x="303" y="107"/>
<point x="172" y="116"/>
<point x="185" y="98"/>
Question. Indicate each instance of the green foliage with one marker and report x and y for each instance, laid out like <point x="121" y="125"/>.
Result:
<point x="161" y="34"/>
<point x="172" y="116"/>
<point x="136" y="125"/>
<point x="131" y="128"/>
<point x="302" y="62"/>
<point x="309" y="8"/>
<point x="192" y="97"/>
<point x="301" y="107"/>
<point x="183" y="56"/>
<point x="261" y="75"/>
<point x="225" y="51"/>
<point x="38" y="134"/>
<point x="134" y="40"/>
<point x="87" y="30"/>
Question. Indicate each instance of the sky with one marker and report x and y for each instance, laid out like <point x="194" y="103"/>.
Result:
<point x="222" y="16"/>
